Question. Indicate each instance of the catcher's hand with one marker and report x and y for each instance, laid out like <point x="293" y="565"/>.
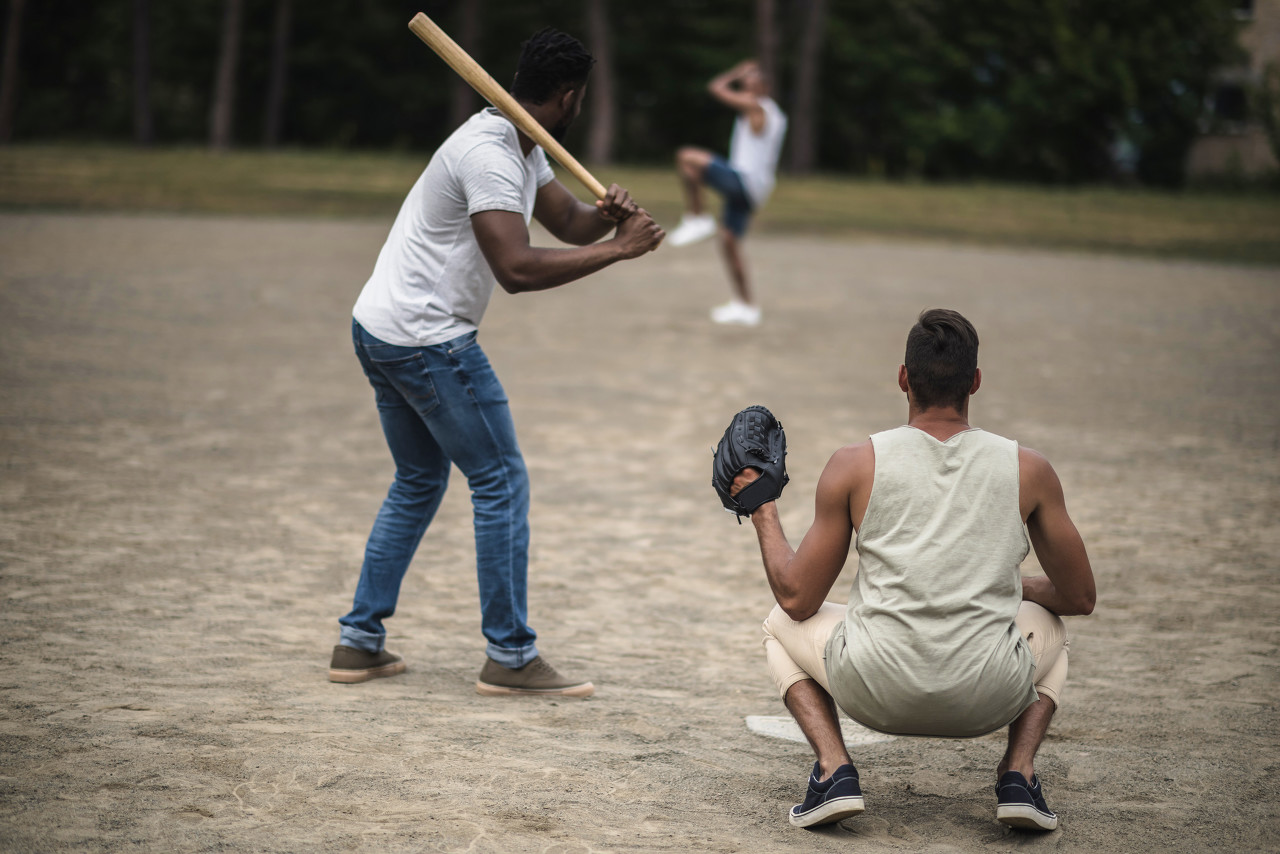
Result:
<point x="754" y="439"/>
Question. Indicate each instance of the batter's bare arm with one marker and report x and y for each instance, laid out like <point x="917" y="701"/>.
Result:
<point x="520" y="267"/>
<point x="1067" y="588"/>
<point x="801" y="579"/>
<point x="572" y="221"/>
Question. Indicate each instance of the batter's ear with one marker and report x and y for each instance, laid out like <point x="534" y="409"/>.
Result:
<point x="977" y="381"/>
<point x="902" y="379"/>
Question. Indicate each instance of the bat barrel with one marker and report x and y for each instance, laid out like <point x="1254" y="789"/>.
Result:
<point x="469" y="70"/>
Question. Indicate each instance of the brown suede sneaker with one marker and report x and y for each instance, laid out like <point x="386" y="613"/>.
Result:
<point x="355" y="665"/>
<point x="536" y="677"/>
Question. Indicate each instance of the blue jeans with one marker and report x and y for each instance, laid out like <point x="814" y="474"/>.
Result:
<point x="727" y="181"/>
<point x="439" y="405"/>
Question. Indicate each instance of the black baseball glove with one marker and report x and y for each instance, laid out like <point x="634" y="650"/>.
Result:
<point x="754" y="439"/>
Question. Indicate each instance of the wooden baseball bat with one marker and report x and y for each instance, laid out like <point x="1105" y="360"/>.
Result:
<point x="469" y="70"/>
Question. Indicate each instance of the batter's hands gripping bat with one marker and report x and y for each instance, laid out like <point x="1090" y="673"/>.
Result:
<point x="469" y="70"/>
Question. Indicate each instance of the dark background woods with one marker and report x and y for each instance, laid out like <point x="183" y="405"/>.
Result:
<point x="1058" y="91"/>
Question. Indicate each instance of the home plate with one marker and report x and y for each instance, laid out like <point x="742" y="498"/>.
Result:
<point x="785" y="727"/>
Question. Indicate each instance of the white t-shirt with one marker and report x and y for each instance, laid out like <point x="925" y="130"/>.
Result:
<point x="755" y="156"/>
<point x="431" y="282"/>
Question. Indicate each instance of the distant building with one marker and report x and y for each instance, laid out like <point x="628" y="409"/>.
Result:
<point x="1234" y="141"/>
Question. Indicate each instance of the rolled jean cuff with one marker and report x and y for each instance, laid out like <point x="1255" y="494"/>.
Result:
<point x="512" y="659"/>
<point x="356" y="639"/>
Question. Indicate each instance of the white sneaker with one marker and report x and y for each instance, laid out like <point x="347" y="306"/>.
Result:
<point x="692" y="228"/>
<point x="737" y="312"/>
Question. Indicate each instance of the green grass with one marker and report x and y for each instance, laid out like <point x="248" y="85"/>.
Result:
<point x="196" y="180"/>
<point x="1226" y="226"/>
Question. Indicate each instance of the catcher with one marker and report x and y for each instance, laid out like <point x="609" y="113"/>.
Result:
<point x="941" y="636"/>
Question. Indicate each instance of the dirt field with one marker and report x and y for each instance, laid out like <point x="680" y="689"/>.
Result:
<point x="190" y="462"/>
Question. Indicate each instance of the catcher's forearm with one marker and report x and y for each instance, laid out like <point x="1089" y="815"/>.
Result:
<point x="778" y="557"/>
<point x="1041" y="590"/>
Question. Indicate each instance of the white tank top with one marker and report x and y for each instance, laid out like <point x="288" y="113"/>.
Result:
<point x="929" y="645"/>
<point x="755" y="156"/>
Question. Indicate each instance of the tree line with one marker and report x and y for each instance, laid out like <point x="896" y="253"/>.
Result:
<point x="1054" y="91"/>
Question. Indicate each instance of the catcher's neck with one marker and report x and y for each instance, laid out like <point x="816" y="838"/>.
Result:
<point x="940" y="422"/>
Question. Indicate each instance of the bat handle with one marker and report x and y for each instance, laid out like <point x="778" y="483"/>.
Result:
<point x="580" y="172"/>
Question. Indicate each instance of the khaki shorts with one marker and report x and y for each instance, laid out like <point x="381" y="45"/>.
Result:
<point x="797" y="651"/>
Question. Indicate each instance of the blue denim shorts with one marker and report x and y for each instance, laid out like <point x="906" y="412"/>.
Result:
<point x="726" y="181"/>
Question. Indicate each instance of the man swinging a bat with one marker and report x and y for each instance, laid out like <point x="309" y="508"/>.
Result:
<point x="941" y="635"/>
<point x="464" y="225"/>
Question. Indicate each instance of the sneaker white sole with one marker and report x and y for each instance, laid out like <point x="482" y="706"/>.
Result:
<point x="1026" y="817"/>
<point x="352" y="676"/>
<point x="688" y="238"/>
<point x="832" y="811"/>
<point x="586" y="689"/>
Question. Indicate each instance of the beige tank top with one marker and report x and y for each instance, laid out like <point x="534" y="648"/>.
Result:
<point x="929" y="645"/>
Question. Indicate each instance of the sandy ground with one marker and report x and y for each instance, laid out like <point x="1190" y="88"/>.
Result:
<point x="190" y="462"/>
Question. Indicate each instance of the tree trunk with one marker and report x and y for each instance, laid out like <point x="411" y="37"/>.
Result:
<point x="465" y="101"/>
<point x="222" y="114"/>
<point x="9" y="71"/>
<point x="804" y="117"/>
<point x="273" y="120"/>
<point x="767" y="41"/>
<point x="143" y="133"/>
<point x="603" y="115"/>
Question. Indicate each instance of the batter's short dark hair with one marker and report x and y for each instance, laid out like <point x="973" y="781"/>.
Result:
<point x="942" y="358"/>
<point x="550" y="63"/>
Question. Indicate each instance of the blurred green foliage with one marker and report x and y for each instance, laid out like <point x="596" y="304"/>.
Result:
<point x="1039" y="90"/>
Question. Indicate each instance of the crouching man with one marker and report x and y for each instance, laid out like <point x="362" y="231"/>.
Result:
<point x="941" y="635"/>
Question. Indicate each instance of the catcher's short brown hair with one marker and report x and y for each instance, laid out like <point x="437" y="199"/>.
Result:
<point x="942" y="358"/>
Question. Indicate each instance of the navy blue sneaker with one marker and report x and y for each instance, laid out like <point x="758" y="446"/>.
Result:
<point x="1019" y="804"/>
<point x="829" y="800"/>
